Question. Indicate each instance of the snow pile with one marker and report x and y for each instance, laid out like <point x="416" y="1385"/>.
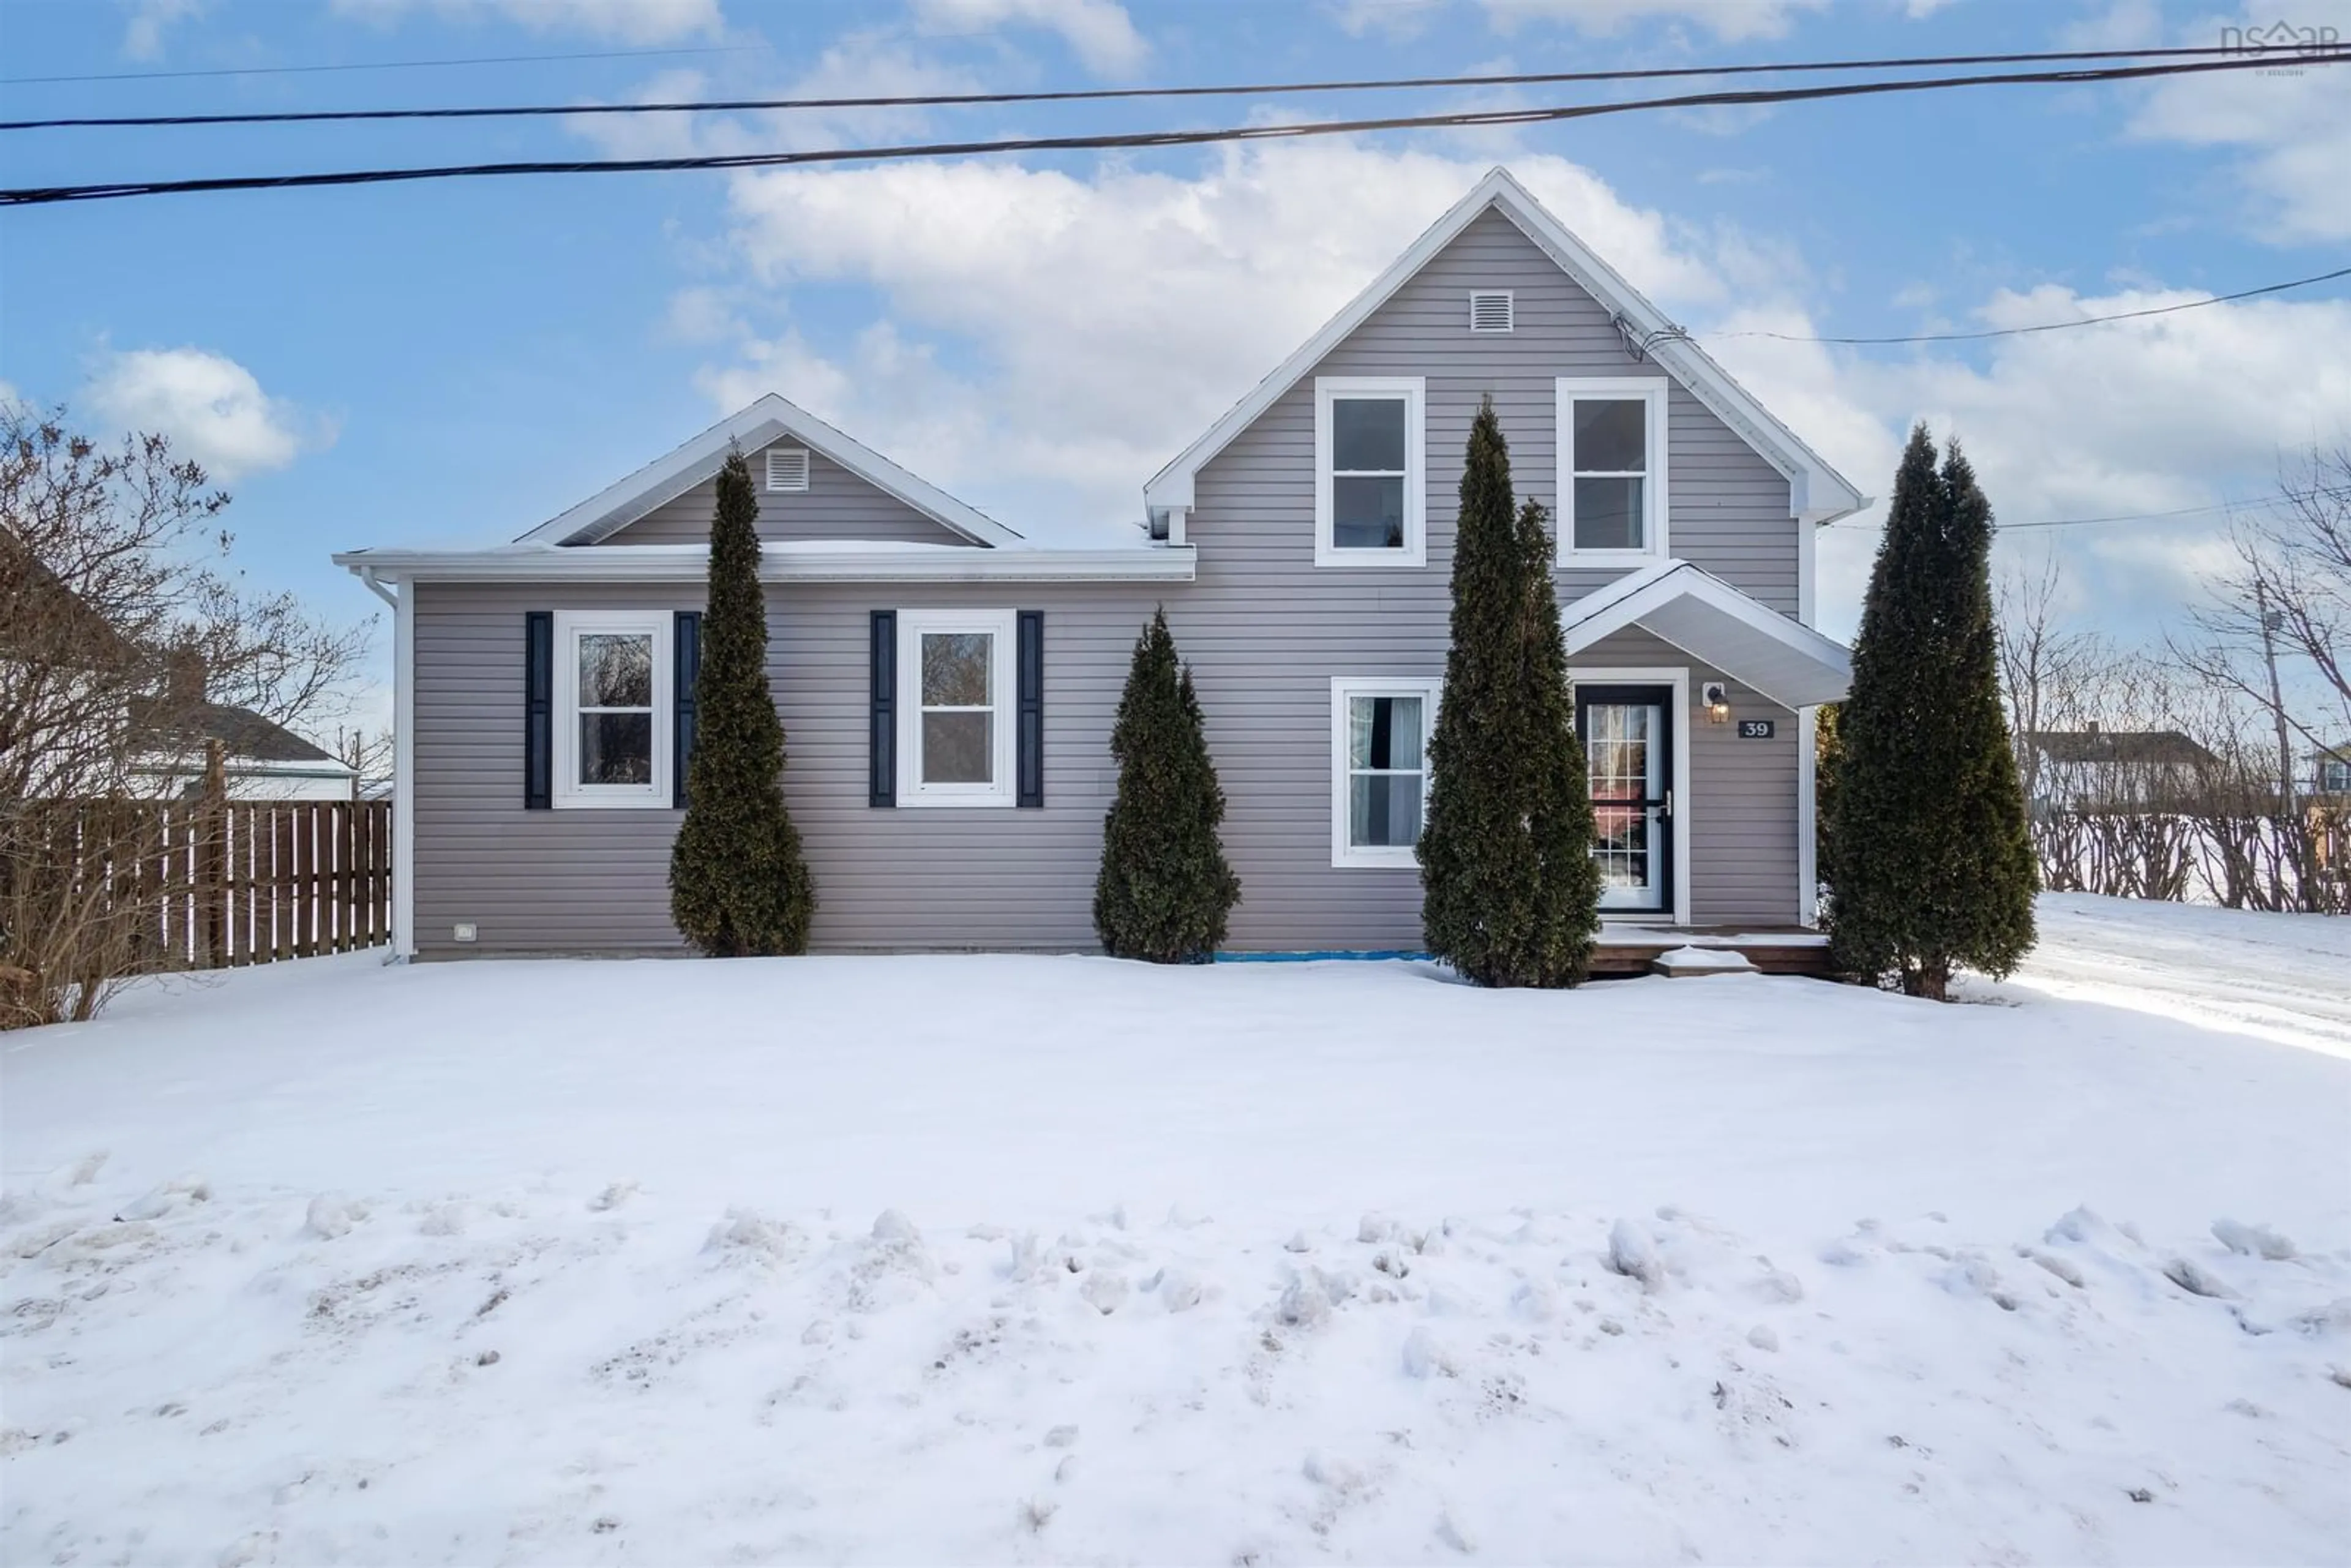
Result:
<point x="231" y="1381"/>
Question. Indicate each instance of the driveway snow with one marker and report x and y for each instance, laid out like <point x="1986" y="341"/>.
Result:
<point x="1001" y="1258"/>
<point x="2280" y="976"/>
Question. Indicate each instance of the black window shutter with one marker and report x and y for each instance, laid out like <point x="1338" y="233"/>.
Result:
<point x="539" y="710"/>
<point x="689" y="669"/>
<point x="882" y="742"/>
<point x="1028" y="772"/>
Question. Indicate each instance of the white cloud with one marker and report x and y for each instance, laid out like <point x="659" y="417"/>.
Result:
<point x="1729" y="20"/>
<point x="2287" y="120"/>
<point x="1100" y="31"/>
<point x="211" y="406"/>
<point x="629" y="21"/>
<point x="860" y="65"/>
<point x="142" y="35"/>
<point x="2187" y="410"/>
<point x="1398" y="21"/>
<point x="2124" y="25"/>
<point x="1048" y="340"/>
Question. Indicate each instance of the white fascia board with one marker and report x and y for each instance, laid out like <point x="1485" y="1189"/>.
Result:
<point x="1639" y="594"/>
<point x="690" y="563"/>
<point x="1173" y="485"/>
<point x="616" y="505"/>
<point x="1817" y="493"/>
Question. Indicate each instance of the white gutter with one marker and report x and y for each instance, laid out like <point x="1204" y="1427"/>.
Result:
<point x="375" y="586"/>
<point x="690" y="563"/>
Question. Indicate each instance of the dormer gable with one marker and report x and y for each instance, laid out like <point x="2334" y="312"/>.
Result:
<point x="814" y="469"/>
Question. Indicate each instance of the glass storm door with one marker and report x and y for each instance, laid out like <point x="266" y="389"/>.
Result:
<point x="1627" y="735"/>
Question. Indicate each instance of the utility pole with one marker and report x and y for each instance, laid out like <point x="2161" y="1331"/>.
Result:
<point x="2271" y="621"/>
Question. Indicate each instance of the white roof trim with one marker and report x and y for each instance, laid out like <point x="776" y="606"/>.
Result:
<point x="617" y="505"/>
<point x="1817" y="493"/>
<point x="1636" y="597"/>
<point x="777" y="563"/>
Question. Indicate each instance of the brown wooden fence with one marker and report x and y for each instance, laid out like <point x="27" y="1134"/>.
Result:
<point x="248" y="881"/>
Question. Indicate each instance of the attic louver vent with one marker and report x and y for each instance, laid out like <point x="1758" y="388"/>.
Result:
<point x="788" y="468"/>
<point x="1490" y="312"/>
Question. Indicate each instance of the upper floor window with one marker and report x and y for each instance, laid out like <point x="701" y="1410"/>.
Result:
<point x="612" y="707"/>
<point x="2335" y="776"/>
<point x="1612" y="469"/>
<point x="1369" y="497"/>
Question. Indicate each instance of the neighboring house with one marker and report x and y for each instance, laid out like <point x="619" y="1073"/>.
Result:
<point x="2330" y="775"/>
<point x="168" y="732"/>
<point x="2328" y="806"/>
<point x="948" y="687"/>
<point x="260" y="758"/>
<point x="2094" y="769"/>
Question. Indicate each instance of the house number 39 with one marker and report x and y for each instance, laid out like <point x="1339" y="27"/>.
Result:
<point x="1755" y="728"/>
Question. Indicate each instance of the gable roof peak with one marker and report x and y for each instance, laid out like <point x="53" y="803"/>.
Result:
<point x="1817" y="492"/>
<point x="765" y="419"/>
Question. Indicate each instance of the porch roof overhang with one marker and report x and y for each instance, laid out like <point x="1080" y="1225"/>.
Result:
<point x="799" y="562"/>
<point x="1708" y="619"/>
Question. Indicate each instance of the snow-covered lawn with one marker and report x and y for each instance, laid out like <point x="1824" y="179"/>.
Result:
<point x="999" y="1258"/>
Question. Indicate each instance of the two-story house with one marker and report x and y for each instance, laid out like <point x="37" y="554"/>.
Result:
<point x="947" y="688"/>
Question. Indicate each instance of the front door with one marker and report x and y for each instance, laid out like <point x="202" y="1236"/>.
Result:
<point x="1628" y="736"/>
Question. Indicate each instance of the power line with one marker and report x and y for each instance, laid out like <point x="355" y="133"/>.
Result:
<point x="385" y="65"/>
<point x="2053" y="326"/>
<point x="2122" y="517"/>
<point x="1094" y="95"/>
<point x="2131" y="518"/>
<point x="45" y="194"/>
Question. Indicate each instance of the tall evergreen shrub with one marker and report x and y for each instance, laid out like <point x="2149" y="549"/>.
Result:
<point x="738" y="883"/>
<point x="1510" y="892"/>
<point x="1828" y="757"/>
<point x="1933" y="865"/>
<point x="1166" y="889"/>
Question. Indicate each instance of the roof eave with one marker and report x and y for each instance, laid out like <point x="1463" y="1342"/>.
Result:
<point x="689" y="564"/>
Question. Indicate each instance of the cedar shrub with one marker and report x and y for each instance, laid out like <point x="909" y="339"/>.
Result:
<point x="1166" y="889"/>
<point x="1828" y="756"/>
<point x="738" y="885"/>
<point x="1932" y="864"/>
<point x="1510" y="893"/>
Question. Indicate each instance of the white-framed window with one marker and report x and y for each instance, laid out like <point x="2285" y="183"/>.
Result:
<point x="788" y="468"/>
<point x="1379" y="767"/>
<point x="1370" y="499"/>
<point x="1612" y="469"/>
<point x="956" y="707"/>
<point x="2334" y="776"/>
<point x="612" y="718"/>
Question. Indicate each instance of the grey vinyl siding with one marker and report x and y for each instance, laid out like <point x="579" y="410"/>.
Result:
<point x="597" y="881"/>
<point x="1263" y="628"/>
<point x="837" y="505"/>
<point x="1267" y="630"/>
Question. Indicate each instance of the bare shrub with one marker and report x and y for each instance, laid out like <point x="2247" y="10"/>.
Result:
<point x="117" y="629"/>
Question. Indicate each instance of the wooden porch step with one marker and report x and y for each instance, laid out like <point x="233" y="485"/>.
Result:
<point x="1634" y="950"/>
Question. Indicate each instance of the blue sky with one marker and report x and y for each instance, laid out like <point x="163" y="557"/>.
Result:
<point x="456" y="362"/>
